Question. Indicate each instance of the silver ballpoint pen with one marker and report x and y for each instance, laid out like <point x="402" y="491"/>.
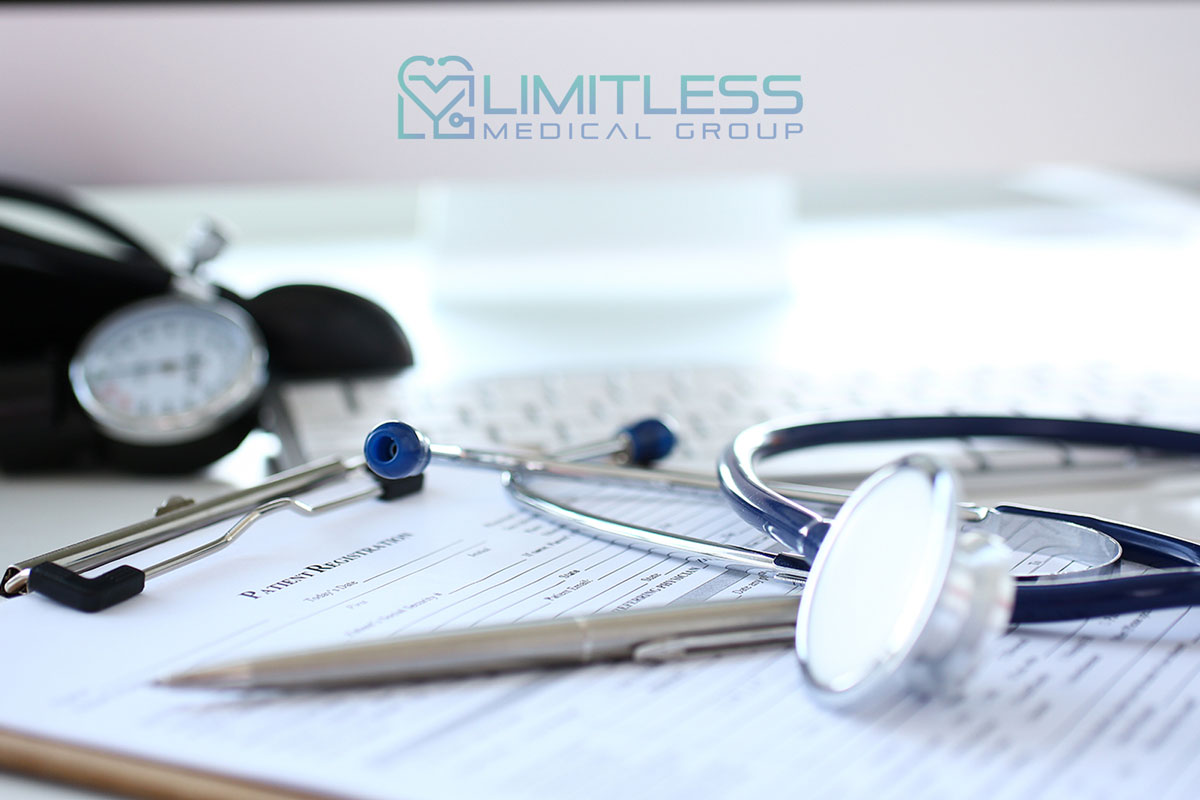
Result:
<point x="652" y="635"/>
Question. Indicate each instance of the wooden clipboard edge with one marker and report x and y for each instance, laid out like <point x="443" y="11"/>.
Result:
<point x="118" y="773"/>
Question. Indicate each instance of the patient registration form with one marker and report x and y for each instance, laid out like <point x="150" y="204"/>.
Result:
<point x="1096" y="709"/>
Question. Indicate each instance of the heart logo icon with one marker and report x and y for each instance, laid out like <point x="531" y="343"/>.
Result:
<point x="436" y="87"/>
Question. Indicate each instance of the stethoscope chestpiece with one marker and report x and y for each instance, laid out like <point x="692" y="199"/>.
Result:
<point x="897" y="600"/>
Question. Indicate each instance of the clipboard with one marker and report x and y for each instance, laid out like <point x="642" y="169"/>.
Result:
<point x="119" y="773"/>
<point x="58" y="574"/>
<point x="562" y="714"/>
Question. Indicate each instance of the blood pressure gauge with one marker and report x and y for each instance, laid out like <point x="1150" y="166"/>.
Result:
<point x="171" y="371"/>
<point x="109" y="357"/>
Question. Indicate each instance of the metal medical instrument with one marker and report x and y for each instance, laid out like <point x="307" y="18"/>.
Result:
<point x="902" y="592"/>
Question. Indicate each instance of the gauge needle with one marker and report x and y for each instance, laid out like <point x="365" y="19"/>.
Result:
<point x="140" y="368"/>
<point x="192" y="363"/>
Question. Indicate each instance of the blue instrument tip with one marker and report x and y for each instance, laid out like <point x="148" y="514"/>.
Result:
<point x="650" y="440"/>
<point x="395" y="450"/>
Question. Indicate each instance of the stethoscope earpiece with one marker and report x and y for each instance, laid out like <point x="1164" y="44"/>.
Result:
<point x="396" y="450"/>
<point x="650" y="440"/>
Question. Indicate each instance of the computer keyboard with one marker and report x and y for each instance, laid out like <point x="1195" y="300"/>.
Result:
<point x="712" y="403"/>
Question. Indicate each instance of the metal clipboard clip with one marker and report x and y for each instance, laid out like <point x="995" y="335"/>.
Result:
<point x="59" y="576"/>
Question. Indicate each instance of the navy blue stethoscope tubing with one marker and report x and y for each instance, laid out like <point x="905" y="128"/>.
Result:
<point x="1177" y="585"/>
<point x="802" y="530"/>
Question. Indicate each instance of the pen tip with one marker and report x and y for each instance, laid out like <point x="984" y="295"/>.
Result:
<point x="211" y="677"/>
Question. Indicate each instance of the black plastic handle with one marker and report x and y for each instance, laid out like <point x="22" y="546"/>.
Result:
<point x="86" y="594"/>
<point x="393" y="488"/>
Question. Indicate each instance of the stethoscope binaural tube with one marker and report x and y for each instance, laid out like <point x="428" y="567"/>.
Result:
<point x="399" y="450"/>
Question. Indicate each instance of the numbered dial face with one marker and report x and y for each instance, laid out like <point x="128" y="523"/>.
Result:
<point x="169" y="370"/>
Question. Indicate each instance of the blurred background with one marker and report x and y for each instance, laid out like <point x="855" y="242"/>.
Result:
<point x="975" y="182"/>
<point x="982" y="205"/>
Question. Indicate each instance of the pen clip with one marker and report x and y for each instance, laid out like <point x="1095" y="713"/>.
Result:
<point x="677" y="648"/>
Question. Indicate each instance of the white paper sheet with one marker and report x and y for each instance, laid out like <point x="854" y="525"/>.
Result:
<point x="1102" y="709"/>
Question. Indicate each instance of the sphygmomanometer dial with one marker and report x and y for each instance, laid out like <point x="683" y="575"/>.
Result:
<point x="169" y="370"/>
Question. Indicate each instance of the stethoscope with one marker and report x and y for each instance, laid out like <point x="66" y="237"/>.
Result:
<point x="903" y="582"/>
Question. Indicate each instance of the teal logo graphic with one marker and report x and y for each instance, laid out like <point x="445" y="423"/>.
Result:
<point x="437" y="100"/>
<point x="436" y="88"/>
